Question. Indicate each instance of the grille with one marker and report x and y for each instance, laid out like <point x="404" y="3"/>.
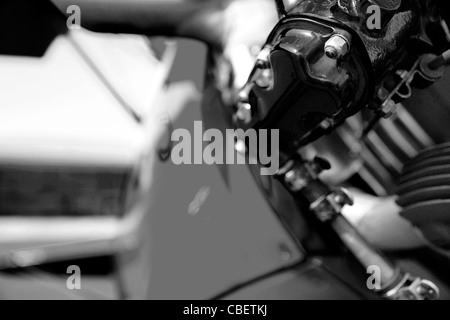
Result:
<point x="61" y="192"/>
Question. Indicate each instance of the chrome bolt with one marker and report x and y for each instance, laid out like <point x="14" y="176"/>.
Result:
<point x="337" y="46"/>
<point x="264" y="78"/>
<point x="326" y="124"/>
<point x="388" y="108"/>
<point x="294" y="180"/>
<point x="244" y="112"/>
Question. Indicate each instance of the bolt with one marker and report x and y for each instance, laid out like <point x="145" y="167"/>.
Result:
<point x="240" y="146"/>
<point x="337" y="46"/>
<point x="244" y="92"/>
<point x="264" y="78"/>
<point x="343" y="197"/>
<point x="388" y="108"/>
<point x="326" y="124"/>
<point x="294" y="180"/>
<point x="244" y="112"/>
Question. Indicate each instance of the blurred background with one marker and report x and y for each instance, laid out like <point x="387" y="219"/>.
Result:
<point x="85" y="179"/>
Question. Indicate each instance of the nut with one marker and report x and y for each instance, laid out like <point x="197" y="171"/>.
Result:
<point x="337" y="46"/>
<point x="244" y="112"/>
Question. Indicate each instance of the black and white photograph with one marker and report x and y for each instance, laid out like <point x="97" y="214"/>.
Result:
<point x="227" y="156"/>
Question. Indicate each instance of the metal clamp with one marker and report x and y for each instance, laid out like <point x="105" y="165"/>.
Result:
<point x="302" y="178"/>
<point x="413" y="288"/>
<point x="420" y="72"/>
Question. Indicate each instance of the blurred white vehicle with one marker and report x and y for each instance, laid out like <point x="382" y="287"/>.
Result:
<point x="78" y="133"/>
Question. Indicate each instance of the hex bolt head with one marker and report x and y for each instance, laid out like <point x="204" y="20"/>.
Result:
<point x="294" y="181"/>
<point x="244" y="112"/>
<point x="337" y="46"/>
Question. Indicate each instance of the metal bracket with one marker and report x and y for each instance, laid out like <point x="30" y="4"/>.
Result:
<point x="302" y="178"/>
<point x="412" y="288"/>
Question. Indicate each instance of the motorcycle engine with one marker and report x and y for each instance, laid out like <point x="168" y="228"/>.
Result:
<point x="335" y="83"/>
